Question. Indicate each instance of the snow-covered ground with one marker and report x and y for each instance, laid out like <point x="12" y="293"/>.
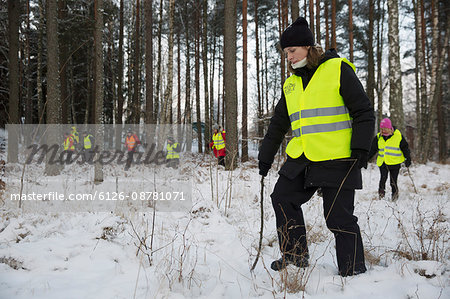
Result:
<point x="206" y="250"/>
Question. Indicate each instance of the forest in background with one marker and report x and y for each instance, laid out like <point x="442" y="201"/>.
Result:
<point x="176" y="62"/>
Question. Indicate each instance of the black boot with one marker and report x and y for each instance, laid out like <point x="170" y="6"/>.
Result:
<point x="381" y="193"/>
<point x="280" y="264"/>
<point x="353" y="273"/>
<point x="395" y="196"/>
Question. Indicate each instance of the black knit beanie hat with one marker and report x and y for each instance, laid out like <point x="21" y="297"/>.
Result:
<point x="297" y="34"/>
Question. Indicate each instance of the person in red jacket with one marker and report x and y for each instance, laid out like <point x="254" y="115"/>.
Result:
<point x="218" y="144"/>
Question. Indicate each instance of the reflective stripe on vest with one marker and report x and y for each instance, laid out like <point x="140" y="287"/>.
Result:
<point x="219" y="143"/>
<point x="389" y="151"/>
<point x="320" y="121"/>
<point x="87" y="142"/>
<point x="171" y="153"/>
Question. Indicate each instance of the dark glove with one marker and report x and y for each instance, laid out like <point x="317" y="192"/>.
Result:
<point x="407" y="163"/>
<point x="362" y="156"/>
<point x="264" y="168"/>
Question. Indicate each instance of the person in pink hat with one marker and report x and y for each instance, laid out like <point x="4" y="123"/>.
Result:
<point x="393" y="150"/>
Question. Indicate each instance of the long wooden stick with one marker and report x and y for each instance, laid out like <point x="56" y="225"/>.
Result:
<point x="262" y="224"/>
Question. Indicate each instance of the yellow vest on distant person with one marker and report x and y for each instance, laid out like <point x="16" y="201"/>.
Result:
<point x="171" y="153"/>
<point x="87" y="142"/>
<point x="320" y="121"/>
<point x="219" y="143"/>
<point x="389" y="151"/>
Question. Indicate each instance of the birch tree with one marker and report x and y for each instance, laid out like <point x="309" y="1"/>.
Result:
<point x="395" y="72"/>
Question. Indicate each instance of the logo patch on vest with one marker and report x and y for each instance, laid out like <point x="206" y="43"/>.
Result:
<point x="289" y="88"/>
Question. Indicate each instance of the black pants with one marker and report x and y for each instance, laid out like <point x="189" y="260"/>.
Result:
<point x="393" y="171"/>
<point x="287" y="198"/>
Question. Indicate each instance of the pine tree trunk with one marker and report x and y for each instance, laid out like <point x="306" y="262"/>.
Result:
<point x="158" y="63"/>
<point x="258" y="81"/>
<point x="422" y="66"/>
<point x="327" y="26"/>
<point x="53" y="88"/>
<point x="166" y="111"/>
<point x="436" y="77"/>
<point x="205" y="75"/>
<point x="266" y="69"/>
<point x="179" y="78"/>
<point x="281" y="27"/>
<point x="318" y="22"/>
<point x="395" y="72"/>
<point x="197" y="78"/>
<point x="13" y="55"/>
<point x="379" y="83"/>
<point x="311" y="16"/>
<point x="218" y="85"/>
<point x="230" y="83"/>
<point x="350" y="28"/>
<point x="40" y="98"/>
<point x="63" y="56"/>
<point x="136" y="66"/>
<point x="370" y="57"/>
<point x="119" y="111"/>
<point x="244" y="81"/>
<point x="294" y="10"/>
<point x="211" y="81"/>
<point x="416" y="72"/>
<point x="29" y="85"/>
<point x="333" y="24"/>
<point x="98" y="79"/>
<point x="188" y="114"/>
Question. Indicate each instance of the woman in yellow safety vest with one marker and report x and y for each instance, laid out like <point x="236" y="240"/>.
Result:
<point x="173" y="153"/>
<point x="393" y="150"/>
<point x="218" y="144"/>
<point x="332" y="121"/>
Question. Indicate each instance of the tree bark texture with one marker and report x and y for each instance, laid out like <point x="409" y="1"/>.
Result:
<point x="230" y="83"/>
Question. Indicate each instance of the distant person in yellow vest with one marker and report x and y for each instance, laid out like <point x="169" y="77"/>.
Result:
<point x="393" y="150"/>
<point x="68" y="142"/>
<point x="173" y="153"/>
<point x="332" y="122"/>
<point x="76" y="137"/>
<point x="88" y="145"/>
<point x="218" y="144"/>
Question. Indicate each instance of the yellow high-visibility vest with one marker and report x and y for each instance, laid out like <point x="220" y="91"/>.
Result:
<point x="219" y="143"/>
<point x="389" y="151"/>
<point x="320" y="121"/>
<point x="68" y="144"/>
<point x="171" y="153"/>
<point x="87" y="142"/>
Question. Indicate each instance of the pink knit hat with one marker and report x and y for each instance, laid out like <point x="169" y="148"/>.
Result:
<point x="386" y="123"/>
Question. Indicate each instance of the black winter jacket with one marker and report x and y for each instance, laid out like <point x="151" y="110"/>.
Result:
<point x="404" y="147"/>
<point x="326" y="173"/>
